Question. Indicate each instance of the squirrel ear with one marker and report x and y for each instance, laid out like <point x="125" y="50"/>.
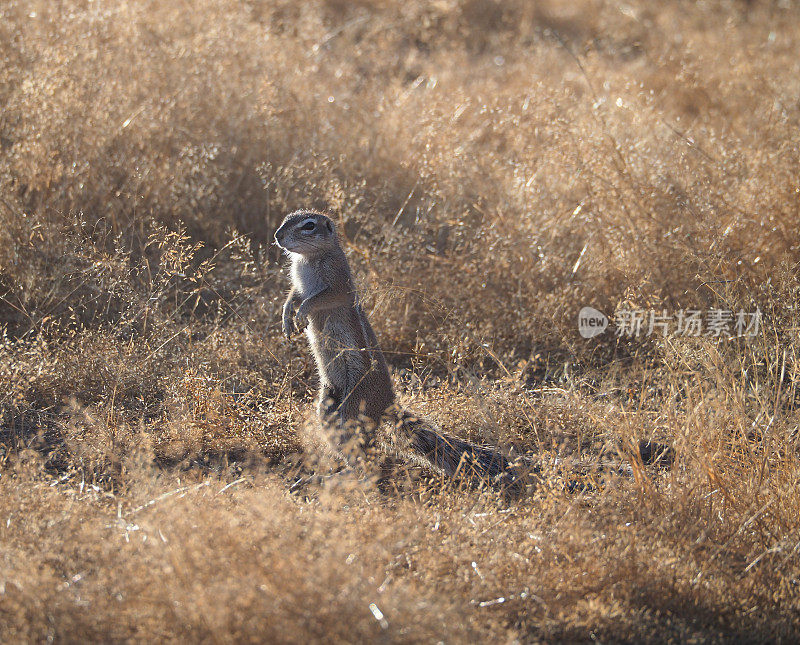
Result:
<point x="329" y="225"/>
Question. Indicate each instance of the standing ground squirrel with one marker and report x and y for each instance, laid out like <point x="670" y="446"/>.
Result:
<point x="356" y="392"/>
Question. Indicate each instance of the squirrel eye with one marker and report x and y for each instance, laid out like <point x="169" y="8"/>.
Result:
<point x="310" y="226"/>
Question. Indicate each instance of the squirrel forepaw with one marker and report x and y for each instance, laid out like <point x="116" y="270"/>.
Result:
<point x="301" y="318"/>
<point x="288" y="327"/>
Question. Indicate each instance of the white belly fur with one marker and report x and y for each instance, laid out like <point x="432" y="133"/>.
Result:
<point x="306" y="279"/>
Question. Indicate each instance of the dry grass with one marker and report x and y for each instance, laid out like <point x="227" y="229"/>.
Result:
<point x="495" y="166"/>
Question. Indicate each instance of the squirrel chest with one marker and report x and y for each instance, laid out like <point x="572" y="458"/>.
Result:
<point x="307" y="277"/>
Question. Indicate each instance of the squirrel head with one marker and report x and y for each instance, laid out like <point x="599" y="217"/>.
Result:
<point x="306" y="233"/>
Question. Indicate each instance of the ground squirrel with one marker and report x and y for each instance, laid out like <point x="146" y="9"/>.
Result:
<point x="356" y="392"/>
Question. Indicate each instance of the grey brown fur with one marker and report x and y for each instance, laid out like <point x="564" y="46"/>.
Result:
<point x="356" y="391"/>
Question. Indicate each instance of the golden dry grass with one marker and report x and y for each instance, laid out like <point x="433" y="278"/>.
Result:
<point x="494" y="166"/>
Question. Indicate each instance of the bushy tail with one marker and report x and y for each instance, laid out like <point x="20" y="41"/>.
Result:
<point x="455" y="457"/>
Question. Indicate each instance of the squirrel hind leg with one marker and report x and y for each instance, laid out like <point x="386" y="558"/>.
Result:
<point x="351" y="433"/>
<point x="328" y="403"/>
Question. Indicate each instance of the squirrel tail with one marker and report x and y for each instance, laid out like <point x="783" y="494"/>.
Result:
<point x="455" y="457"/>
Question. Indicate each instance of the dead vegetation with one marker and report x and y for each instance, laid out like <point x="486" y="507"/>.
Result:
<point x="494" y="166"/>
